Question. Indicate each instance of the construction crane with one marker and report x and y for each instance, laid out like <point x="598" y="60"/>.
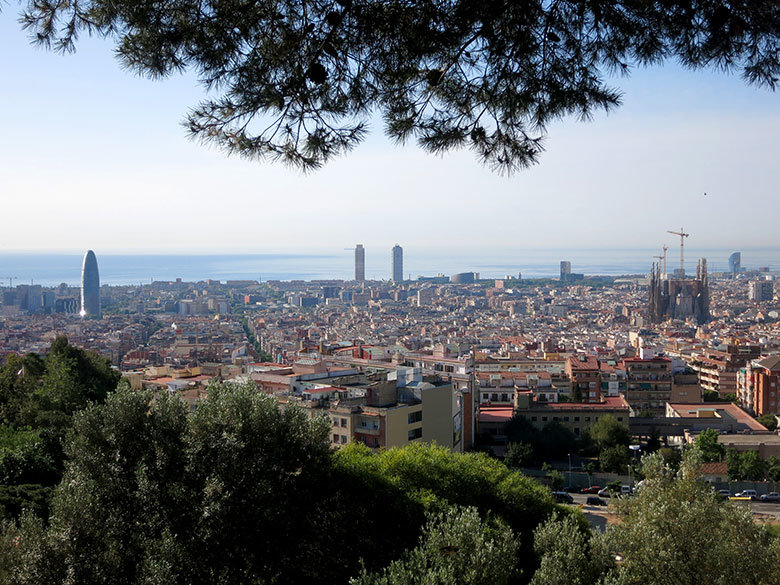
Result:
<point x="682" y="235"/>
<point x="663" y="258"/>
<point x="11" y="280"/>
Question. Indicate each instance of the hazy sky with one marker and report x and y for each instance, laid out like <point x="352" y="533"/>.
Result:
<point x="94" y="157"/>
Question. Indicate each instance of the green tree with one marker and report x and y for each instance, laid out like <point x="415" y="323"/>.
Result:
<point x="773" y="469"/>
<point x="654" y="440"/>
<point x="299" y="82"/>
<point x="615" y="459"/>
<point x="672" y="457"/>
<point x="72" y="379"/>
<point x="676" y="530"/>
<point x="569" y="555"/>
<point x="456" y="546"/>
<point x="555" y="441"/>
<point x="752" y="467"/>
<point x="608" y="432"/>
<point x="436" y="479"/>
<point x="519" y="455"/>
<point x="708" y="447"/>
<point x="734" y="461"/>
<point x="519" y="429"/>
<point x="768" y="420"/>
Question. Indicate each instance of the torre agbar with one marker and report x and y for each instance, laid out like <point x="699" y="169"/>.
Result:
<point x="90" y="286"/>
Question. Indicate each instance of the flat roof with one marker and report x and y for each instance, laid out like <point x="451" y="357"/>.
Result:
<point x="495" y="414"/>
<point x="732" y="410"/>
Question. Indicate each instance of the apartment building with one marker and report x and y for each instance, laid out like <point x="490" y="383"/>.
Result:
<point x="648" y="384"/>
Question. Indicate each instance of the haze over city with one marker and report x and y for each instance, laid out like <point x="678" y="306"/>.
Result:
<point x="100" y="156"/>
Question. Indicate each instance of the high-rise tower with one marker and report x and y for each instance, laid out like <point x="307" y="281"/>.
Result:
<point x="360" y="263"/>
<point x="565" y="270"/>
<point x="398" y="263"/>
<point x="735" y="263"/>
<point x="90" y="286"/>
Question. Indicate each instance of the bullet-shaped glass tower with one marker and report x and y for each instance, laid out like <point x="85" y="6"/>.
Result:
<point x="90" y="286"/>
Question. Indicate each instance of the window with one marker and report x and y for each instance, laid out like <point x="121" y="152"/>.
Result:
<point x="415" y="417"/>
<point x="544" y="419"/>
<point x="415" y="434"/>
<point x="587" y="419"/>
<point x="343" y="439"/>
<point x="335" y="421"/>
<point x="335" y="438"/>
<point x="494" y="397"/>
<point x="344" y="422"/>
<point x="565" y="419"/>
<point x="504" y="397"/>
<point x="620" y="419"/>
<point x="533" y="419"/>
<point x="555" y="418"/>
<point x="576" y="419"/>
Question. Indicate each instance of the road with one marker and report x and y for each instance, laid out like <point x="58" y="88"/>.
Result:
<point x="763" y="508"/>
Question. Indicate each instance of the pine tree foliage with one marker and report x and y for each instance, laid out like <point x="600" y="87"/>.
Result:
<point x="299" y="80"/>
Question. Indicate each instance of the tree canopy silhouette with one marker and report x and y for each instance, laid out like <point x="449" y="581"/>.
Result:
<point x="299" y="80"/>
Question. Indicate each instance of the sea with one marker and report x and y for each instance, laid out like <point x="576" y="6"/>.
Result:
<point x="49" y="269"/>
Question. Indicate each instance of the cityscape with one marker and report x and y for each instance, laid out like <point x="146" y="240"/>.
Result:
<point x="375" y="292"/>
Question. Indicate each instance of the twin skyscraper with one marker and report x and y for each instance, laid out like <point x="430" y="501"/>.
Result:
<point x="397" y="263"/>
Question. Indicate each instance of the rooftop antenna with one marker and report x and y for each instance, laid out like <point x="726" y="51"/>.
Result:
<point x="682" y="235"/>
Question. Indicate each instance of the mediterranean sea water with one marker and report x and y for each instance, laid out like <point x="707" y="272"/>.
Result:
<point x="127" y="269"/>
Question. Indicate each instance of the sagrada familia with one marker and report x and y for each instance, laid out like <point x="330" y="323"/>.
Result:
<point x="679" y="297"/>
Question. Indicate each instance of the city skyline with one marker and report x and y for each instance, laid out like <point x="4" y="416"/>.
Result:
<point x="672" y="141"/>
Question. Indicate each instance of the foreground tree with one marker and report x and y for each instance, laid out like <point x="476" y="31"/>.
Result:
<point x="298" y="81"/>
<point x="674" y="531"/>
<point x="38" y="398"/>
<point x="457" y="546"/>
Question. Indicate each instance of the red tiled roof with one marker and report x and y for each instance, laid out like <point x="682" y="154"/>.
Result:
<point x="495" y="414"/>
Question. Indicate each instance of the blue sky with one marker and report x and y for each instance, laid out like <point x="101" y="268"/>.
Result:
<point x="95" y="157"/>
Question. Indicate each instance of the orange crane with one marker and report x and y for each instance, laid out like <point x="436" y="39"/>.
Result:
<point x="682" y="235"/>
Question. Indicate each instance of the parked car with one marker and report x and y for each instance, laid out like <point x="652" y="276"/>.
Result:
<point x="572" y="489"/>
<point x="562" y="498"/>
<point x="770" y="497"/>
<point x="724" y="494"/>
<point x="604" y="493"/>
<point x="595" y="501"/>
<point x="594" y="489"/>
<point x="752" y="494"/>
<point x="626" y="490"/>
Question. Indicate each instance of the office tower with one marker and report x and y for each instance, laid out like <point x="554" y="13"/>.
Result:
<point x="565" y="270"/>
<point x="735" y="263"/>
<point x="398" y="263"/>
<point x="761" y="290"/>
<point x="360" y="263"/>
<point x="90" y="286"/>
